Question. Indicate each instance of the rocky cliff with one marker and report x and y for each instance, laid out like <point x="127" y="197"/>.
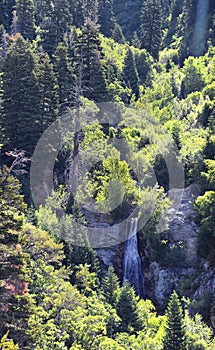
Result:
<point x="184" y="270"/>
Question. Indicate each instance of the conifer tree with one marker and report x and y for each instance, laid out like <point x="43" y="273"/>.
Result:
<point x="43" y="9"/>
<point x="130" y="74"/>
<point x="48" y="90"/>
<point x="126" y="308"/>
<point x="62" y="17"/>
<point x="14" y="304"/>
<point x="88" y="52"/>
<point x="65" y="76"/>
<point x="151" y="27"/>
<point x="106" y="17"/>
<point x="90" y="11"/>
<point x="20" y="106"/>
<point x="188" y="28"/>
<point x="77" y="10"/>
<point x="55" y="25"/>
<point x="174" y="338"/>
<point x="26" y="20"/>
<point x="110" y="285"/>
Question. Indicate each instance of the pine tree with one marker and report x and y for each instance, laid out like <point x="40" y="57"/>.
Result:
<point x="151" y="27"/>
<point x="20" y="106"/>
<point x="65" y="76"/>
<point x="106" y="17"/>
<point x="188" y="28"/>
<point x="62" y="17"/>
<point x="126" y="308"/>
<point x="55" y="25"/>
<point x="77" y="10"/>
<point x="130" y="74"/>
<point x="48" y="90"/>
<point x="88" y="52"/>
<point x="174" y="338"/>
<point x="43" y="9"/>
<point x="26" y="20"/>
<point x="90" y="11"/>
<point x="14" y="302"/>
<point x="110" y="285"/>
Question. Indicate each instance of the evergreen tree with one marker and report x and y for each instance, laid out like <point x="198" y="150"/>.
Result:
<point x="77" y="10"/>
<point x="189" y="16"/>
<point x="43" y="9"/>
<point x="126" y="308"/>
<point x="174" y="29"/>
<point x="26" y="20"/>
<point x="106" y="17"/>
<point x="55" y="25"/>
<point x="143" y="63"/>
<point x="65" y="76"/>
<point x="20" y="106"/>
<point x="62" y="17"/>
<point x="14" y="304"/>
<point x="151" y="27"/>
<point x="174" y="338"/>
<point x="130" y="74"/>
<point x="90" y="11"/>
<point x="88" y="52"/>
<point x="48" y="91"/>
<point x="110" y="286"/>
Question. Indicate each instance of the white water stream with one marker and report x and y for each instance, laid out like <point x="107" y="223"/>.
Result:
<point x="132" y="267"/>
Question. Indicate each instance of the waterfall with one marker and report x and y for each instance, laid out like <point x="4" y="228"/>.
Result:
<point x="132" y="269"/>
<point x="201" y="28"/>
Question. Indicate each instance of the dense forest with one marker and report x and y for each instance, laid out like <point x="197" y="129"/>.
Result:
<point x="107" y="174"/>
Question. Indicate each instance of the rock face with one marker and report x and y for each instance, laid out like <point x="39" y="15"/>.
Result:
<point x="165" y="281"/>
<point x="182" y="241"/>
<point x="183" y="270"/>
<point x="182" y="226"/>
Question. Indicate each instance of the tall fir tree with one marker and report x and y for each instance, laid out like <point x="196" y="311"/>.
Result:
<point x="43" y="9"/>
<point x="174" y="338"/>
<point x="89" y="53"/>
<point x="77" y="10"/>
<point x="65" y="76"/>
<point x="106" y="17"/>
<point x="110" y="285"/>
<point x="126" y="308"/>
<point x="130" y="74"/>
<point x="20" y="105"/>
<point x="26" y="20"/>
<point x="189" y="16"/>
<point x="151" y="27"/>
<point x="48" y="91"/>
<point x="55" y="25"/>
<point x="15" y="304"/>
<point x="90" y="11"/>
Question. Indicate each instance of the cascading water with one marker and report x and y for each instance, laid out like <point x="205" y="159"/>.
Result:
<point x="201" y="28"/>
<point x="132" y="269"/>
